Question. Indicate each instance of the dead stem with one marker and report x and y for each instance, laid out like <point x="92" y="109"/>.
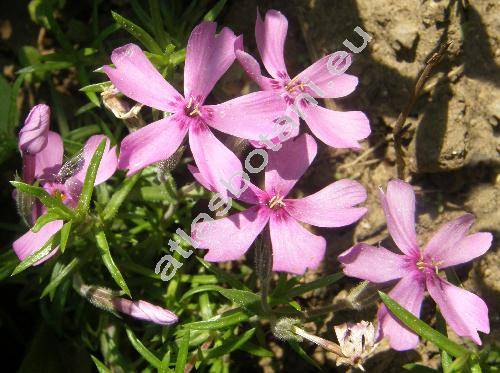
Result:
<point x="398" y="128"/>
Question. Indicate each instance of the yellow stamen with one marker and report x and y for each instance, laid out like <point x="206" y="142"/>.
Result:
<point x="276" y="201"/>
<point x="195" y="111"/>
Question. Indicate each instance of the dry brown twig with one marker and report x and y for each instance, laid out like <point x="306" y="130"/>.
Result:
<point x="398" y="127"/>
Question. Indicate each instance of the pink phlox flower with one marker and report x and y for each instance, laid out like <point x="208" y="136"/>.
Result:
<point x="208" y="56"/>
<point x="294" y="248"/>
<point x="323" y="79"/>
<point x="46" y="167"/>
<point x="417" y="269"/>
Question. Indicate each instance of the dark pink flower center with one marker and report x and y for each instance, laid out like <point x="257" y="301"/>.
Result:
<point x="192" y="108"/>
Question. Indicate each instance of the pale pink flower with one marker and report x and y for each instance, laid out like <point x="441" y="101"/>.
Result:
<point x="417" y="269"/>
<point x="208" y="56"/>
<point x="294" y="248"/>
<point x="45" y="166"/>
<point x="334" y="128"/>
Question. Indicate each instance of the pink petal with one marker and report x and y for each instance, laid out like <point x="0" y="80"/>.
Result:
<point x="33" y="135"/>
<point x="375" y="264"/>
<point x="218" y="165"/>
<point x="49" y="160"/>
<point x="252" y="194"/>
<point x="466" y="249"/>
<point x="285" y="128"/>
<point x="287" y="165"/>
<point x="145" y="311"/>
<point x="252" y="68"/>
<point x="137" y="78"/>
<point x="330" y="207"/>
<point x="242" y="229"/>
<point x="409" y="293"/>
<point x="329" y="84"/>
<point x="336" y="128"/>
<point x="451" y="246"/>
<point x="250" y="116"/>
<point x="270" y="35"/>
<point x="295" y="249"/>
<point x="399" y="209"/>
<point x="464" y="312"/>
<point x="108" y="164"/>
<point x="208" y="56"/>
<point x="153" y="143"/>
<point x="30" y="242"/>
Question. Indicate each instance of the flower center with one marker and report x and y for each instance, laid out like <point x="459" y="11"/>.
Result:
<point x="192" y="109"/>
<point x="423" y="265"/>
<point x="293" y="85"/>
<point x="276" y="202"/>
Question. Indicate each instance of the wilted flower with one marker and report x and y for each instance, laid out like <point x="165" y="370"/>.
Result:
<point x="46" y="167"/>
<point x="334" y="128"/>
<point x="294" y="248"/>
<point x="356" y="342"/>
<point x="418" y="269"/>
<point x="208" y="56"/>
<point x="122" y="109"/>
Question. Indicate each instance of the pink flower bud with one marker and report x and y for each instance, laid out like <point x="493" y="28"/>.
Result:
<point x="33" y="135"/>
<point x="145" y="311"/>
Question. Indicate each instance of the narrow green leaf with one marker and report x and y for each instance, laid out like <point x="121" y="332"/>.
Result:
<point x="88" y="184"/>
<point x="97" y="87"/>
<point x="223" y="276"/>
<point x="66" y="229"/>
<point x="84" y="132"/>
<point x="101" y="368"/>
<point x="165" y="363"/>
<point x="230" y="344"/>
<point x="37" y="255"/>
<point x="13" y="120"/>
<point x="300" y="351"/>
<point x="256" y="350"/>
<point x="159" y="31"/>
<point x="182" y="355"/>
<point x="50" y="216"/>
<point x="244" y="299"/>
<point x="223" y="321"/>
<point x="199" y="289"/>
<point x="418" y="368"/>
<point x="102" y="244"/>
<point x="459" y="364"/>
<point x="313" y="285"/>
<point x="137" y="32"/>
<point x="214" y="12"/>
<point x="142" y="350"/>
<point x="44" y="197"/>
<point x="422" y="329"/>
<point x="54" y="283"/>
<point x="119" y="197"/>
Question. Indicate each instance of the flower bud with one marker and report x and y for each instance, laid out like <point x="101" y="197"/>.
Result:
<point x="145" y="311"/>
<point x="33" y="135"/>
<point x="109" y="300"/>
